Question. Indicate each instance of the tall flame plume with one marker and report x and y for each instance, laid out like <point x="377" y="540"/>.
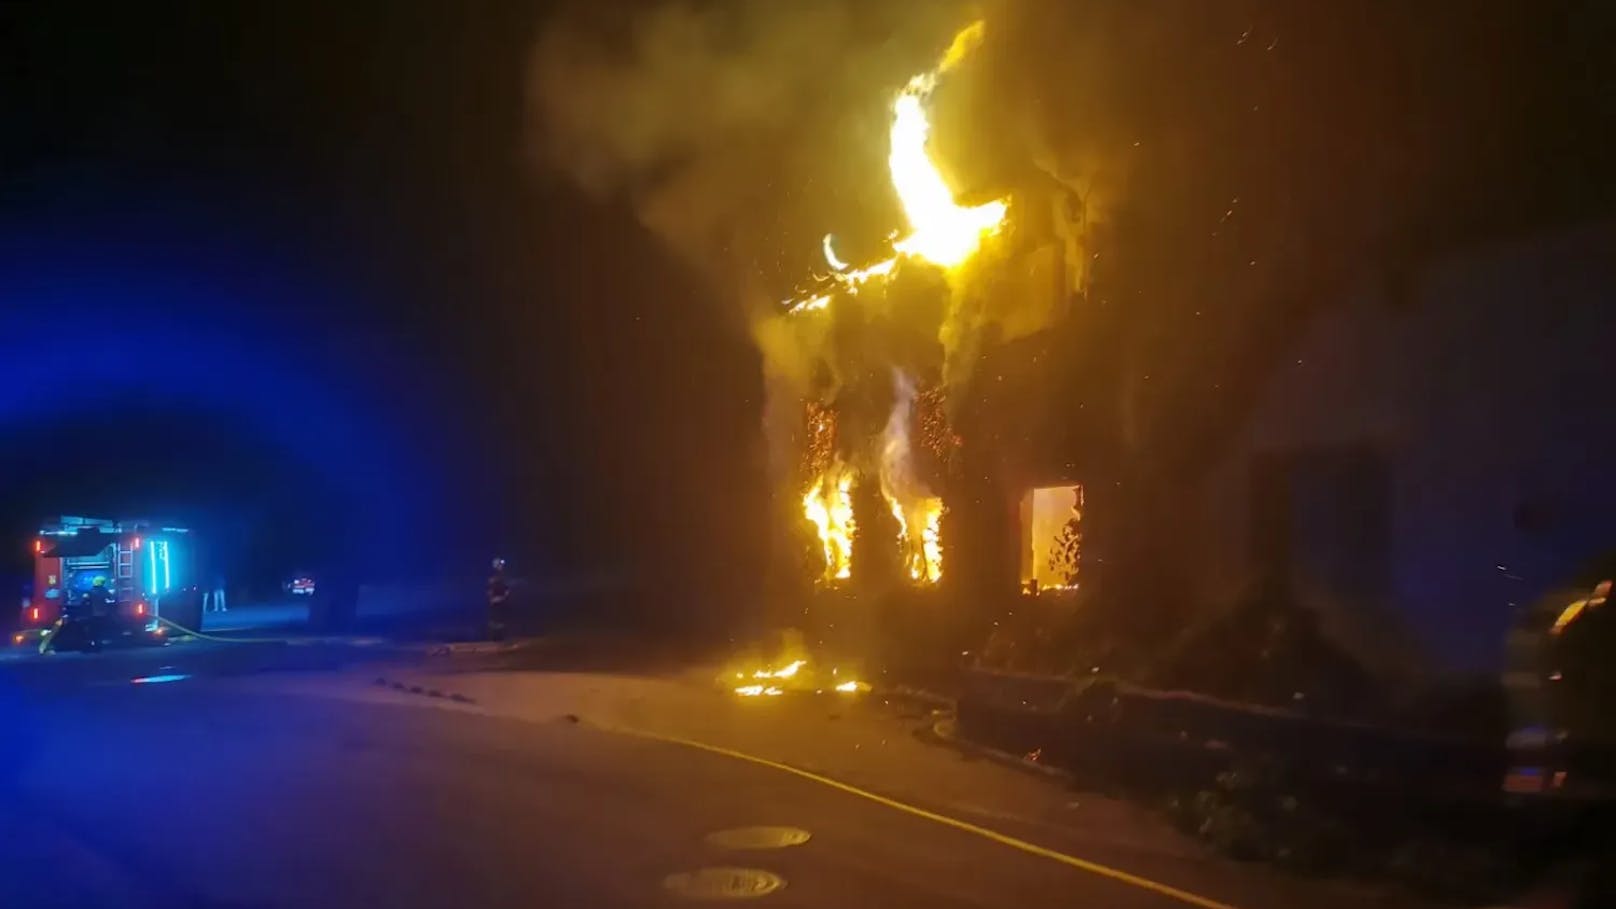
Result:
<point x="946" y="235"/>
<point x="941" y="232"/>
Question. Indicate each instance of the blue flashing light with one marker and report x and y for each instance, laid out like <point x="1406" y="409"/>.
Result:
<point x="168" y="578"/>
<point x="159" y="679"/>
<point x="328" y="417"/>
<point x="151" y="574"/>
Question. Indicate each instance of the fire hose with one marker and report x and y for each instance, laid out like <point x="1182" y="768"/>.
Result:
<point x="46" y="641"/>
<point x="213" y="637"/>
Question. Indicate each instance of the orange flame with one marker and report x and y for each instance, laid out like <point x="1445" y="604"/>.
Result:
<point x="941" y="232"/>
<point x="828" y="504"/>
<point x="918" y="512"/>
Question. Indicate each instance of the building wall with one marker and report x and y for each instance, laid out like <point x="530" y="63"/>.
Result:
<point x="1484" y="391"/>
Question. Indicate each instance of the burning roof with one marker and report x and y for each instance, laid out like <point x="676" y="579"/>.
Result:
<point x="942" y="232"/>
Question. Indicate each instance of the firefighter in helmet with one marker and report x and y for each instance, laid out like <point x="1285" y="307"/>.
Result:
<point x="499" y="594"/>
<point x="100" y="601"/>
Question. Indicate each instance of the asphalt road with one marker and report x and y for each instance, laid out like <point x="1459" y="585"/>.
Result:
<point x="202" y="792"/>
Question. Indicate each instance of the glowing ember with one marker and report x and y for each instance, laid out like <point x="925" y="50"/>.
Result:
<point x="752" y="691"/>
<point x="851" y="687"/>
<point x="941" y="231"/>
<point x="828" y="504"/>
<point x="811" y="304"/>
<point x="856" y="278"/>
<point x="932" y="426"/>
<point x="819" y="452"/>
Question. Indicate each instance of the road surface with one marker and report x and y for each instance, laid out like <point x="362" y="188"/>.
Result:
<point x="217" y="781"/>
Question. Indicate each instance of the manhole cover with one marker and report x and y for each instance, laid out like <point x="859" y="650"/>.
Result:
<point x="758" y="838"/>
<point x="723" y="883"/>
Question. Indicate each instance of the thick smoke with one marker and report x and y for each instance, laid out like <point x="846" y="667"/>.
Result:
<point x="742" y="131"/>
<point x="739" y="131"/>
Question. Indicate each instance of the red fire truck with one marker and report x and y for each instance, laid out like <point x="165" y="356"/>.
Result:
<point x="126" y="572"/>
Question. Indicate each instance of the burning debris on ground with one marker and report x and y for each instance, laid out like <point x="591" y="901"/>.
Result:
<point x="791" y="672"/>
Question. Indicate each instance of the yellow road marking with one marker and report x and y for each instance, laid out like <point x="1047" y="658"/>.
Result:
<point x="1073" y="861"/>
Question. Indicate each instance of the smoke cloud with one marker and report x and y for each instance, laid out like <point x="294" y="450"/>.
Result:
<point x="743" y="131"/>
<point x="739" y="131"/>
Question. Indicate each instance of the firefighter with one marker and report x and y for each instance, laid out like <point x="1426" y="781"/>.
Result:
<point x="100" y="601"/>
<point x="83" y="628"/>
<point x="213" y="599"/>
<point x="499" y="592"/>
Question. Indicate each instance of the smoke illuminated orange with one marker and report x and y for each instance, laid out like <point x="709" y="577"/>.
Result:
<point x="919" y="513"/>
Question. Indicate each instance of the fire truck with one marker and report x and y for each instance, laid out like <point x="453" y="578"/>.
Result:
<point x="120" y="575"/>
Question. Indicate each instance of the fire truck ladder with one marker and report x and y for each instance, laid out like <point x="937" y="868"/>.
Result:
<point x="126" y="573"/>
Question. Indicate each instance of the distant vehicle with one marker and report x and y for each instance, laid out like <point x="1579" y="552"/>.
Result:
<point x="1561" y="686"/>
<point x="99" y="582"/>
<point x="301" y="585"/>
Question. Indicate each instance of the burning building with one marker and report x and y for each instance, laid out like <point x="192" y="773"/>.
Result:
<point x="882" y="355"/>
<point x="911" y="233"/>
<point x="984" y="387"/>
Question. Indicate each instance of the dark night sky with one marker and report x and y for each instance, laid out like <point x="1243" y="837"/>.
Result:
<point x="344" y="185"/>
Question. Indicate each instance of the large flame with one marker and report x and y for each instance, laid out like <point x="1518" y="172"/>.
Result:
<point x="944" y="234"/>
<point x="931" y="540"/>
<point x="941" y="231"/>
<point x="829" y="505"/>
<point x="920" y="536"/>
<point x="918" y="512"/>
